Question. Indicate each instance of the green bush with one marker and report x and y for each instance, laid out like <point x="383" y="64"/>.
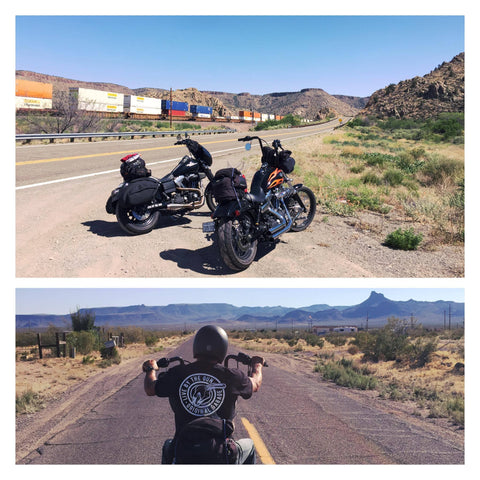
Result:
<point x="403" y="239"/>
<point x="84" y="342"/>
<point x="345" y="374"/>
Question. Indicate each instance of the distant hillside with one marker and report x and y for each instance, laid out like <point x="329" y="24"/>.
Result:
<point x="311" y="103"/>
<point x="377" y="308"/>
<point x="442" y="90"/>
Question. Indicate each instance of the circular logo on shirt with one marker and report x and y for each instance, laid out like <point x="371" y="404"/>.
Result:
<point x="201" y="394"/>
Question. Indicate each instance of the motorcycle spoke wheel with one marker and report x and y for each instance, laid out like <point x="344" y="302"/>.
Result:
<point x="302" y="207"/>
<point x="237" y="249"/>
<point x="136" y="222"/>
<point x="209" y="198"/>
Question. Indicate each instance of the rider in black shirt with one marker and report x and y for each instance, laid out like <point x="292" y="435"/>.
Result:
<point x="205" y="387"/>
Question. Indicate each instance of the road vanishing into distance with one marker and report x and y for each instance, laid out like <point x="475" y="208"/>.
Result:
<point x="63" y="230"/>
<point x="294" y="419"/>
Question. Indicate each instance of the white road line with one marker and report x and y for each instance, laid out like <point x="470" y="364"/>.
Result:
<point x="79" y="177"/>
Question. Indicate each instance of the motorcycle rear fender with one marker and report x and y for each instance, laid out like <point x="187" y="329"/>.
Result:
<point x="226" y="210"/>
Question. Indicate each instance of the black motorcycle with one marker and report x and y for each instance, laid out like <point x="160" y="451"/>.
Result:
<point x="198" y="392"/>
<point x="141" y="199"/>
<point x="272" y="207"/>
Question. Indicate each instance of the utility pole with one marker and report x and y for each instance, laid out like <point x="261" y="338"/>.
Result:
<point x="171" y="105"/>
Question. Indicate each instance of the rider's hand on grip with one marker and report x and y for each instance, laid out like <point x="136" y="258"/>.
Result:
<point x="255" y="360"/>
<point x="149" y="365"/>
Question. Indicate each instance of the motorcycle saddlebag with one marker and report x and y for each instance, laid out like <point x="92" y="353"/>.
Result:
<point x="140" y="191"/>
<point x="228" y="184"/>
<point x="285" y="161"/>
<point x="133" y="166"/>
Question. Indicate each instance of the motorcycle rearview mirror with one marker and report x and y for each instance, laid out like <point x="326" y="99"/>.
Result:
<point x="248" y="146"/>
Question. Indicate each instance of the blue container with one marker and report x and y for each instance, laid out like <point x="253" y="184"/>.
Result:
<point x="201" y="109"/>
<point x="174" y="105"/>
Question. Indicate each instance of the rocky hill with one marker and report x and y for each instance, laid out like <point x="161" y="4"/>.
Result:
<point x="442" y="90"/>
<point x="311" y="103"/>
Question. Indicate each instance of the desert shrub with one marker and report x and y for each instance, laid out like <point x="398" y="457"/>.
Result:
<point x="440" y="169"/>
<point x="84" y="342"/>
<point x="336" y="339"/>
<point x="344" y="373"/>
<point x="82" y="320"/>
<point x="28" y="402"/>
<point x="393" y="177"/>
<point x="403" y="239"/>
<point x="385" y="344"/>
<point x="151" y="339"/>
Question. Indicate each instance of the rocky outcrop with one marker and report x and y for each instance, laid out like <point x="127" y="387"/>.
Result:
<point x="442" y="90"/>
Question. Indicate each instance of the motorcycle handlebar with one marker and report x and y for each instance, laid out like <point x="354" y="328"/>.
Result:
<point x="165" y="362"/>
<point x="241" y="358"/>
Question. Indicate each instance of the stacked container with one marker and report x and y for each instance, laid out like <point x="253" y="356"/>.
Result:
<point x="33" y="95"/>
<point x="201" y="111"/>
<point x="97" y="100"/>
<point x="142" y="105"/>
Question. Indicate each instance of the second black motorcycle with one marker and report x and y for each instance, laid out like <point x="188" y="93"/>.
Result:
<point x="141" y="199"/>
<point x="272" y="207"/>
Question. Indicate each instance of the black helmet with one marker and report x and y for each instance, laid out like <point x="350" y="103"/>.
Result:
<point x="211" y="341"/>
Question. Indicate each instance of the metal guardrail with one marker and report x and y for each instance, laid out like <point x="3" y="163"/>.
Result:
<point x="90" y="136"/>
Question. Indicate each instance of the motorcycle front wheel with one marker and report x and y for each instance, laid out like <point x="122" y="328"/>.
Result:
<point x="302" y="206"/>
<point x="136" y="221"/>
<point x="209" y="198"/>
<point x="237" y="248"/>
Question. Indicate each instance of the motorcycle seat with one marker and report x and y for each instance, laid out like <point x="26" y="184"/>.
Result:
<point x="255" y="197"/>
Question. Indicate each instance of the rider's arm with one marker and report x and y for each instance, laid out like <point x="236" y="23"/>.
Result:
<point x="257" y="376"/>
<point x="150" y="377"/>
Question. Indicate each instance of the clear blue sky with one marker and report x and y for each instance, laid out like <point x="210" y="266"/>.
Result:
<point x="66" y="300"/>
<point x="351" y="55"/>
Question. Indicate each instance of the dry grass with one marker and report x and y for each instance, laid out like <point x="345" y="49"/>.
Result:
<point x="41" y="380"/>
<point x="433" y="388"/>
<point x="335" y="168"/>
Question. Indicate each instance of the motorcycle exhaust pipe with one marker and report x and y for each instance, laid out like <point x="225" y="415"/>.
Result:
<point x="285" y="224"/>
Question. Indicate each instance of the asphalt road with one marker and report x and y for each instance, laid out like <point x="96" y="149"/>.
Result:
<point x="300" y="419"/>
<point x="63" y="230"/>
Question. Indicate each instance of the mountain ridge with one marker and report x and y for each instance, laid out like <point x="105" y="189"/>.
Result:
<point x="376" y="308"/>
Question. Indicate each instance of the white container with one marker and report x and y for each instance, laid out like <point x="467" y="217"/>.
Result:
<point x="33" y="103"/>
<point x="233" y="117"/>
<point x="201" y="115"/>
<point x="97" y="100"/>
<point x="264" y="117"/>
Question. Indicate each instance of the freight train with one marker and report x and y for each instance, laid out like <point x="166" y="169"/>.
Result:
<point x="31" y="95"/>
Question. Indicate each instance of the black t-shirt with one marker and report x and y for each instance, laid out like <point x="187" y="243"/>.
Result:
<point x="201" y="389"/>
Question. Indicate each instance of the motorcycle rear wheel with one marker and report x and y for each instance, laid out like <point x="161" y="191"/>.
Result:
<point x="237" y="249"/>
<point x="302" y="206"/>
<point x="136" y="221"/>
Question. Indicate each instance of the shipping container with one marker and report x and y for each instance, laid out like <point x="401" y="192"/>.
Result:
<point x="142" y="105"/>
<point x="175" y="113"/>
<point x="29" y="89"/>
<point x="245" y="113"/>
<point x="33" y="103"/>
<point x="143" y="102"/>
<point x="201" y="109"/>
<point x="202" y="115"/>
<point x="97" y="100"/>
<point x="264" y="117"/>
<point x="233" y="117"/>
<point x="174" y="105"/>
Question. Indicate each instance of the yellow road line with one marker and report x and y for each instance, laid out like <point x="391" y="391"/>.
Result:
<point x="260" y="447"/>
<point x="137" y="150"/>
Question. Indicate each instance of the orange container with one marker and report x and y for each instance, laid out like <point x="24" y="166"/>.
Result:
<point x="27" y="88"/>
<point x="245" y="113"/>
